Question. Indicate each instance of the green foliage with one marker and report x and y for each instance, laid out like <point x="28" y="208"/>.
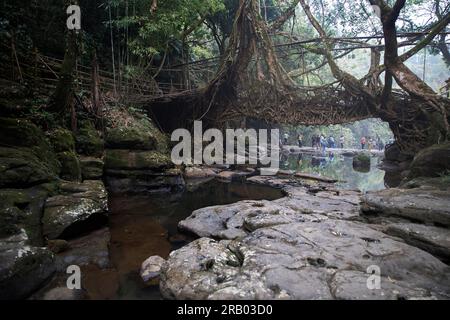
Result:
<point x="170" y="21"/>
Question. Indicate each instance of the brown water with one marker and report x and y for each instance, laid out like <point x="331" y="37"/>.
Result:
<point x="143" y="226"/>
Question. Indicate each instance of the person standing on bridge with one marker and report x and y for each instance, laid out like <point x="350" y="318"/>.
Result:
<point x="363" y="143"/>
<point x="380" y="144"/>
<point x="323" y="143"/>
<point x="341" y="141"/>
<point x="286" y="138"/>
<point x="300" y="140"/>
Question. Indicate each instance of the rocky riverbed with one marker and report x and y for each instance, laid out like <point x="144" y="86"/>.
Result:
<point x="313" y="239"/>
<point x="315" y="243"/>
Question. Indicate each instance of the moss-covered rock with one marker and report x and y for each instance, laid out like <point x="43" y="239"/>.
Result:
<point x="26" y="157"/>
<point x="132" y="160"/>
<point x="140" y="134"/>
<point x="22" y="209"/>
<point x="22" y="168"/>
<point x="62" y="140"/>
<point x="431" y="162"/>
<point x="70" y="166"/>
<point x="361" y="162"/>
<point x="91" y="168"/>
<point x="89" y="141"/>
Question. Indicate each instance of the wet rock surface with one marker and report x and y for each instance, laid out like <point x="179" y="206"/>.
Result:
<point x="314" y="244"/>
<point x="151" y="268"/>
<point x="77" y="203"/>
<point x="302" y="260"/>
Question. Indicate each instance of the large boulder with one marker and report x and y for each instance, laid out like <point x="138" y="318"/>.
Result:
<point x="75" y="210"/>
<point x="23" y="268"/>
<point x="431" y="162"/>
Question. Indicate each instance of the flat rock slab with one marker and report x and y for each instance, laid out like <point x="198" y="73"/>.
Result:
<point x="78" y="202"/>
<point x="327" y="259"/>
<point x="435" y="240"/>
<point x="236" y="220"/>
<point x="425" y="205"/>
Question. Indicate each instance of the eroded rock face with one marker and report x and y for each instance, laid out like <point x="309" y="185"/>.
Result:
<point x="302" y="260"/>
<point x="79" y="202"/>
<point x="138" y="160"/>
<point x="432" y="239"/>
<point x="430" y="205"/>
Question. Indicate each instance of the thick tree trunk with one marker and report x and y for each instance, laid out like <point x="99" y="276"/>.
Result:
<point x="62" y="97"/>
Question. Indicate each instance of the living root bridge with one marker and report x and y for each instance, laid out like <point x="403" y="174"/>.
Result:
<point x="252" y="83"/>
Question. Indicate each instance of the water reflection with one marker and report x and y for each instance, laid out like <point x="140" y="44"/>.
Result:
<point x="338" y="167"/>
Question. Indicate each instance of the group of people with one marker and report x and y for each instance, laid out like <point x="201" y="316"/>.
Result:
<point x="371" y="143"/>
<point x="321" y="142"/>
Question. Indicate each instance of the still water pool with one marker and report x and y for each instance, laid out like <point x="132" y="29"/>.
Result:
<point x="337" y="167"/>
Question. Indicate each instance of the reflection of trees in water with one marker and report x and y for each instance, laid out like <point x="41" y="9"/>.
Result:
<point x="337" y="167"/>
